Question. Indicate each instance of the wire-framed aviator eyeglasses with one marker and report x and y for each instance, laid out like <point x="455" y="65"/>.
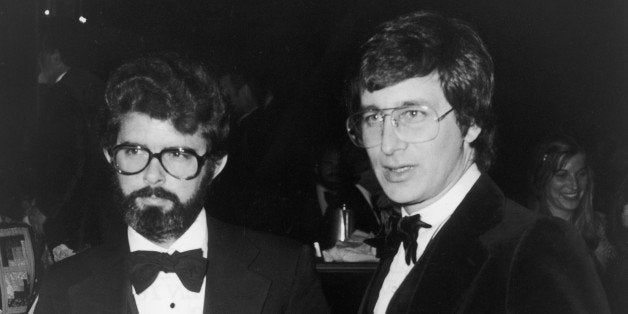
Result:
<point x="412" y="123"/>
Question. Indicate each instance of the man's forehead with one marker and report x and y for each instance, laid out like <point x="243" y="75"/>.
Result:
<point x="141" y="129"/>
<point x="425" y="90"/>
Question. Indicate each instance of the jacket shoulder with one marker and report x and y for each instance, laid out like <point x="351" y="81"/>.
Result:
<point x="276" y="257"/>
<point x="267" y="244"/>
<point x="74" y="268"/>
<point x="548" y="252"/>
<point x="286" y="264"/>
<point x="55" y="284"/>
<point x="517" y="220"/>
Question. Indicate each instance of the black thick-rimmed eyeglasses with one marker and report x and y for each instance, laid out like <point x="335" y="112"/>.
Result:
<point x="181" y="163"/>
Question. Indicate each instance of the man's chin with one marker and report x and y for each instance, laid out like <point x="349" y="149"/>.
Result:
<point x="160" y="219"/>
<point x="155" y="224"/>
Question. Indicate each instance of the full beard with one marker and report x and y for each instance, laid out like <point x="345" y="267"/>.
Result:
<point x="156" y="223"/>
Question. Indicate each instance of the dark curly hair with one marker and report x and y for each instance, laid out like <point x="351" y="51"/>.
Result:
<point x="169" y="87"/>
<point x="420" y="43"/>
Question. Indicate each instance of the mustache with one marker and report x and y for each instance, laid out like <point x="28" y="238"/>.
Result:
<point x="158" y="192"/>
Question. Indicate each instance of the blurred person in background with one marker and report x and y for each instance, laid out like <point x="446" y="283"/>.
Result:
<point x="617" y="274"/>
<point x="562" y="184"/>
<point x="267" y="184"/>
<point x="63" y="162"/>
<point x="344" y="178"/>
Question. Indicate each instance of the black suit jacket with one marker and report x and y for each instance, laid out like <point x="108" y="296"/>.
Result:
<point x="248" y="272"/>
<point x="494" y="256"/>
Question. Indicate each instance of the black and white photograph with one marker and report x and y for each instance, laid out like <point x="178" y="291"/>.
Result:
<point x="359" y="156"/>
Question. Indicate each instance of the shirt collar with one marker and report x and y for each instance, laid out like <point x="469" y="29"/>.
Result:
<point x="61" y="76"/>
<point x="437" y="212"/>
<point x="193" y="238"/>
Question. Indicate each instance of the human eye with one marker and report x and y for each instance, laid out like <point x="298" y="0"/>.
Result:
<point x="179" y="154"/>
<point x="561" y="174"/>
<point x="372" y="117"/>
<point x="413" y="114"/>
<point x="132" y="151"/>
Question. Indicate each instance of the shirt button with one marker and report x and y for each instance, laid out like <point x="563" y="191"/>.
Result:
<point x="172" y="305"/>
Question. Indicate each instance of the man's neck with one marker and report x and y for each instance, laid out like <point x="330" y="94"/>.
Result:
<point x="413" y="208"/>
<point x="166" y="244"/>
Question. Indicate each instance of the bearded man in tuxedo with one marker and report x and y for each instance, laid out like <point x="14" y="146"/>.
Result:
<point x="424" y="87"/>
<point x="165" y="140"/>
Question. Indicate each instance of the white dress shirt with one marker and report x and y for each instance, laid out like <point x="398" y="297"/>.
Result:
<point x="167" y="294"/>
<point x="436" y="215"/>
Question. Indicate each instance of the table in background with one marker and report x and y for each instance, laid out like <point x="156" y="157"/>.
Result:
<point x="344" y="284"/>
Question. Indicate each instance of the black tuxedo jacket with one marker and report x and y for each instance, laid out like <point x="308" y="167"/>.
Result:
<point x="494" y="256"/>
<point x="248" y="272"/>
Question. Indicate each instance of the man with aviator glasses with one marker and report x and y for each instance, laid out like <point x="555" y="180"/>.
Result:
<point x="424" y="87"/>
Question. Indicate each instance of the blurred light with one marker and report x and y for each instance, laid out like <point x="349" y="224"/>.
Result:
<point x="82" y="19"/>
<point x="46" y="12"/>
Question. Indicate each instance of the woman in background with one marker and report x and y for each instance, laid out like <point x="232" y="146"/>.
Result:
<point x="562" y="185"/>
<point x="617" y="275"/>
<point x="618" y="228"/>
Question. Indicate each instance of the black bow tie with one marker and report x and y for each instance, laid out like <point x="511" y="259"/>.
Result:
<point x="408" y="229"/>
<point x="144" y="266"/>
<point x="399" y="230"/>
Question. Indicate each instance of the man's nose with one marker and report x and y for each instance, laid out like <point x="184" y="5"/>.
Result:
<point x="390" y="139"/>
<point x="154" y="174"/>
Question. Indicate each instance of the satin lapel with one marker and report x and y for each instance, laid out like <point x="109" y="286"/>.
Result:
<point x="439" y="281"/>
<point x="107" y="290"/>
<point x="232" y="286"/>
<point x="372" y="291"/>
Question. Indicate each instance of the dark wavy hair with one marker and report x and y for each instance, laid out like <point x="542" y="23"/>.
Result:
<point x="420" y="43"/>
<point x="551" y="155"/>
<point x="169" y="87"/>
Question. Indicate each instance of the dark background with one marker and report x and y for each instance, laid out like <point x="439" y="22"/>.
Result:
<point x="559" y="64"/>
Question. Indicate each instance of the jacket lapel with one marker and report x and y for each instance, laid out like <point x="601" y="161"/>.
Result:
<point x="232" y="286"/>
<point x="451" y="261"/>
<point x="372" y="291"/>
<point x="107" y="289"/>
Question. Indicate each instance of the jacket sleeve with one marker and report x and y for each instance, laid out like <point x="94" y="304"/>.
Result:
<point x="307" y="294"/>
<point x="50" y="300"/>
<point x="552" y="272"/>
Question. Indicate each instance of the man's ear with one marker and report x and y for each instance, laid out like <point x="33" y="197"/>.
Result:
<point x="472" y="133"/>
<point x="220" y="165"/>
